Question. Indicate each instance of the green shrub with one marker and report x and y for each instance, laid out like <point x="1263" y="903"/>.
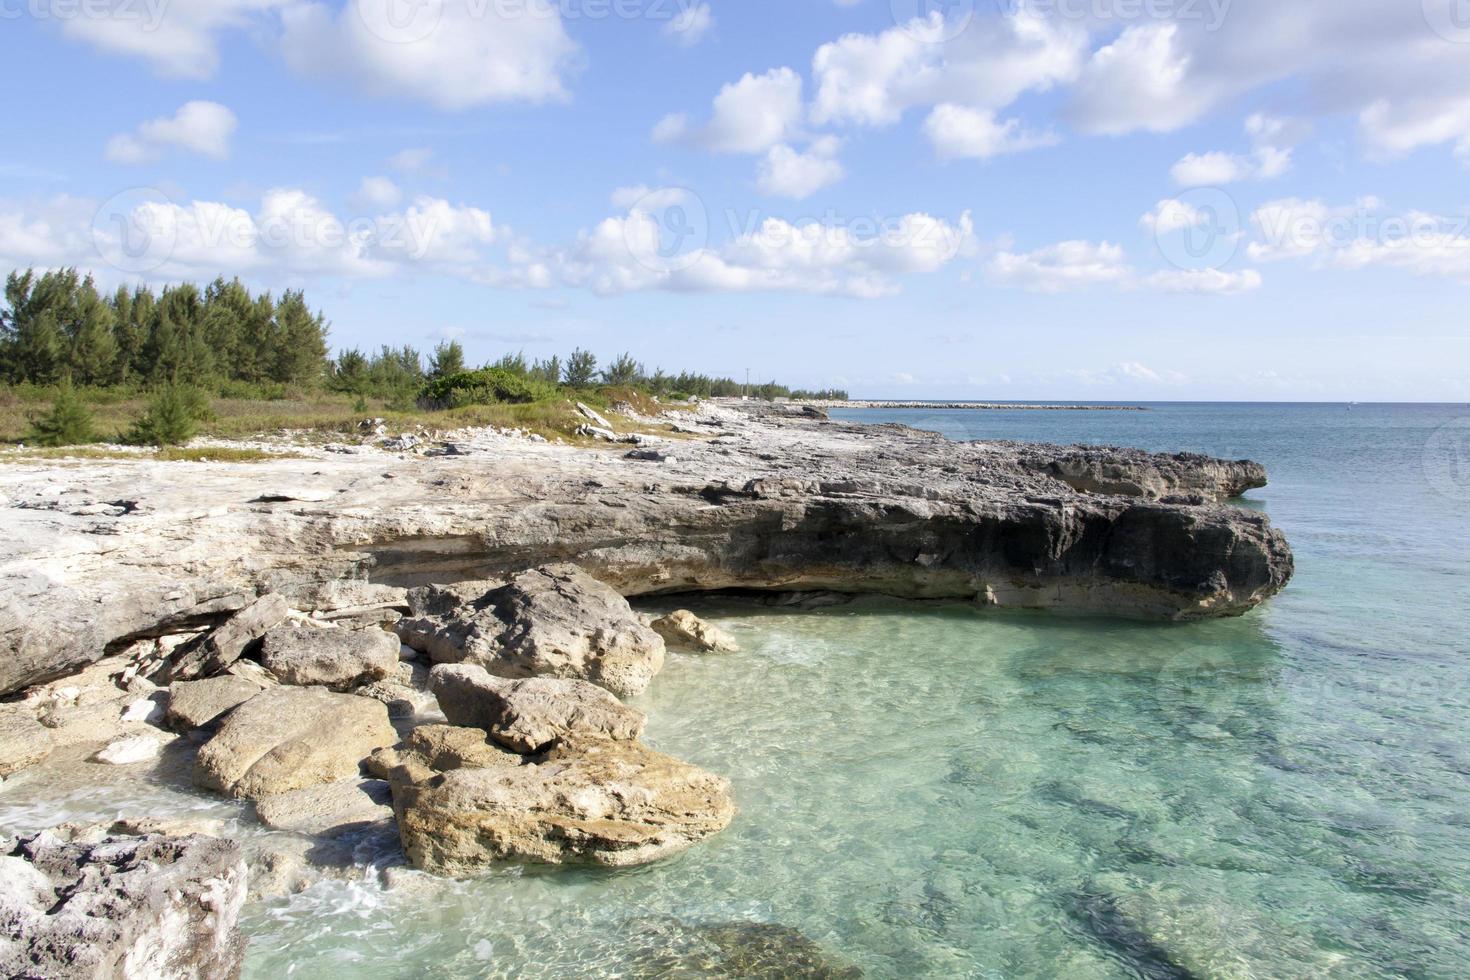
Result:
<point x="69" y="422"/>
<point x="487" y="386"/>
<point x="172" y="418"/>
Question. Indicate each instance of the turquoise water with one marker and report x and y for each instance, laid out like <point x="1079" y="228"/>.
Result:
<point x="938" y="791"/>
<point x="943" y="792"/>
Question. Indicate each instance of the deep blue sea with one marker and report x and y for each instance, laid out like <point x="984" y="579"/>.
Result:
<point x="951" y="792"/>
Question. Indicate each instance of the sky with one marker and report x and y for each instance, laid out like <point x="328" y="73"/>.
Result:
<point x="999" y="199"/>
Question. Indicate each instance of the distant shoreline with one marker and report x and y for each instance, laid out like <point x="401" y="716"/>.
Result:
<point x="975" y="406"/>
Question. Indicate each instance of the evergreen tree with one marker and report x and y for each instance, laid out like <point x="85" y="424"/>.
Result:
<point x="301" y="349"/>
<point x="69" y="422"/>
<point x="623" y="371"/>
<point x="548" y="370"/>
<point x="176" y="351"/>
<point x="94" y="348"/>
<point x="172" y="417"/>
<point x="581" y="368"/>
<point x="448" y="359"/>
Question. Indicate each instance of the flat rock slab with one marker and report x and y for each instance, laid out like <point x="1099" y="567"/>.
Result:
<point x="687" y="631"/>
<point x="337" y="658"/>
<point x="164" y="908"/>
<point x="24" y="741"/>
<point x="198" y="704"/>
<point x="552" y="621"/>
<point x="329" y="810"/>
<point x="529" y="715"/>
<point x="598" y="802"/>
<point x="289" y="738"/>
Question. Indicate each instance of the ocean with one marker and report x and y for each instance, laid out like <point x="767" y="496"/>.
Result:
<point x="945" y="791"/>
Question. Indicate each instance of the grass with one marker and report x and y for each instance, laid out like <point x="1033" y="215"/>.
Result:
<point x="319" y="416"/>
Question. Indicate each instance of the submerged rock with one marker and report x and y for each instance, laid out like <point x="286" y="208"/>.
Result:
<point x="340" y="659"/>
<point x="198" y="704"/>
<point x="594" y="801"/>
<point x="682" y="628"/>
<point x="667" y="947"/>
<point x="288" y="738"/>
<point x="142" y="908"/>
<point x="553" y="621"/>
<point x="527" y="716"/>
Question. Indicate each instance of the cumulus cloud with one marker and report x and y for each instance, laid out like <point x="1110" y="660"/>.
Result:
<point x="1362" y="235"/>
<point x="450" y="54"/>
<point x="1274" y="138"/>
<point x="180" y="39"/>
<point x="959" y="132"/>
<point x="1074" y="265"/>
<point x="378" y="192"/>
<point x="748" y="116"/>
<point x="204" y="128"/>
<point x="690" y="25"/>
<point x="787" y="173"/>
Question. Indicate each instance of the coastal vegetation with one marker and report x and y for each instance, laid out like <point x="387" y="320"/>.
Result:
<point x="79" y="365"/>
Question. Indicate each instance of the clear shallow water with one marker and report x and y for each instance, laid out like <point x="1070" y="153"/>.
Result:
<point x="936" y="791"/>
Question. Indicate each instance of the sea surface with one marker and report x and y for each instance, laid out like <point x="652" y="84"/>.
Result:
<point x="942" y="791"/>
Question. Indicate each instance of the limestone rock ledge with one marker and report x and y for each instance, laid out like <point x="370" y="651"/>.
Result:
<point x="765" y="501"/>
<point x="139" y="908"/>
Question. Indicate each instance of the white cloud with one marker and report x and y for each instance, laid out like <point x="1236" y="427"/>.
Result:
<point x="871" y="79"/>
<point x="1363" y="235"/>
<point x="378" y="192"/>
<point x="179" y="38"/>
<point x="786" y="173"/>
<point x="690" y="25"/>
<point x="648" y="198"/>
<point x="749" y="116"/>
<point x="1139" y="82"/>
<point x="452" y="54"/>
<point x="975" y="134"/>
<point x="204" y="128"/>
<point x="1074" y="265"/>
<point x="1274" y="138"/>
<point x="1171" y="215"/>
<point x="412" y="160"/>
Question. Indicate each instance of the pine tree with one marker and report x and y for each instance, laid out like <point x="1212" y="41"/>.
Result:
<point x="172" y="417"/>
<point x="581" y="368"/>
<point x="448" y="359"/>
<point x="69" y="422"/>
<point x="94" y="347"/>
<point x="301" y="353"/>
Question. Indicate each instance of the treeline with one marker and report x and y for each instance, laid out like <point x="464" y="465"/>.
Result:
<point x="57" y="326"/>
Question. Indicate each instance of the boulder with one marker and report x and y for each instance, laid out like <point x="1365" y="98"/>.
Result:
<point x="553" y="621"/>
<point x="594" y="801"/>
<point x="288" y="738"/>
<point x="687" y="631"/>
<point x="141" y="907"/>
<point x="340" y="659"/>
<point x="438" y="748"/>
<point x="527" y="716"/>
<point x="24" y="741"/>
<point x="216" y="651"/>
<point x="130" y="750"/>
<point x="328" y="810"/>
<point x="198" y="704"/>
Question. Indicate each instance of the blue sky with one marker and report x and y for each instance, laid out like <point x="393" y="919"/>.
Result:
<point x="1085" y="199"/>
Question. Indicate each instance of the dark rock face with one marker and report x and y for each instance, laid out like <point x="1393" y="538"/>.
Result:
<point x="136" y="908"/>
<point x="776" y="503"/>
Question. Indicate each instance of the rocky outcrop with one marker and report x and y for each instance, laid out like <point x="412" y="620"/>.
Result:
<point x="598" y="802"/>
<point x="762" y="502"/>
<point x="339" y="659"/>
<point x="289" y="738"/>
<point x="24" y="741"/>
<point x="553" y="621"/>
<point x="431" y="749"/>
<point x="198" y="704"/>
<point x="527" y="716"/>
<point x="686" y="631"/>
<point x="215" y="652"/>
<point x="141" y="908"/>
<point x="329" y="810"/>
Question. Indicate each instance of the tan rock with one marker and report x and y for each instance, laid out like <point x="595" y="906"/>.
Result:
<point x="288" y="738"/>
<point x="218" y="650"/>
<point x="340" y="659"/>
<point x="197" y="704"/>
<point x="687" y="631"/>
<point x="598" y="801"/>
<point x="328" y="810"/>
<point x="529" y="715"/>
<point x="24" y="741"/>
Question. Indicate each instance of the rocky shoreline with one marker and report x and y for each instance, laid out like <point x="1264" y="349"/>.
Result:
<point x="974" y="406"/>
<point x="432" y="647"/>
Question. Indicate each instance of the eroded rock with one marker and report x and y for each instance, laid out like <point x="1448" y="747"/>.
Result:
<point x="340" y="659"/>
<point x="528" y="715"/>
<point x="288" y="738"/>
<point x="687" y="631"/>
<point x="24" y="741"/>
<point x="218" y="650"/>
<point x="142" y="907"/>
<point x="553" y="621"/>
<point x="599" y="802"/>
<point x="328" y="810"/>
<point x="198" y="704"/>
